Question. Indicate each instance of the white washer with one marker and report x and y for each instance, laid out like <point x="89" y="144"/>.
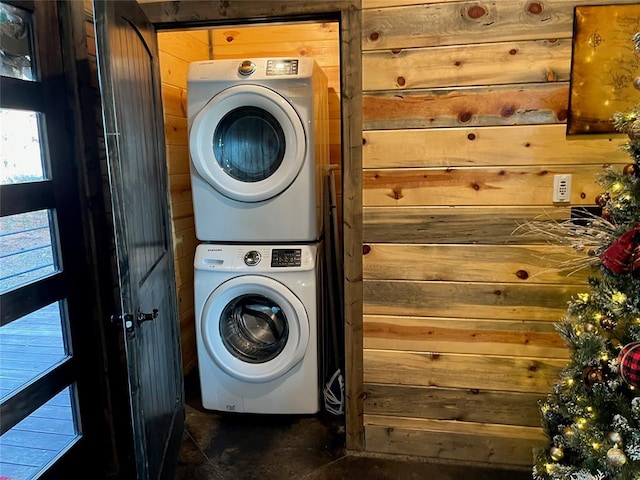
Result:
<point x="258" y="141"/>
<point x="257" y="327"/>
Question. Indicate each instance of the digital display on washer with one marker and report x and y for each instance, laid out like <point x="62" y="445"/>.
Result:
<point x="289" y="257"/>
<point x="282" y="67"/>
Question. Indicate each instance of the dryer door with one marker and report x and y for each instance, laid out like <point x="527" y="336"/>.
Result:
<point x="248" y="142"/>
<point x="255" y="328"/>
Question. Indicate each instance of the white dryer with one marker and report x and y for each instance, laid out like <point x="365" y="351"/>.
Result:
<point x="258" y="141"/>
<point x="257" y="327"/>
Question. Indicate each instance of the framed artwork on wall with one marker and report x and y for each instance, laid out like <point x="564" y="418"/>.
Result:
<point x="605" y="66"/>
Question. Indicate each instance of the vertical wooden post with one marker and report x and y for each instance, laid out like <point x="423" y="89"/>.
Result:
<point x="351" y="49"/>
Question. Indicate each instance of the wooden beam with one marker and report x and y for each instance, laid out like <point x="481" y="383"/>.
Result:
<point x="466" y="405"/>
<point x="468" y="299"/>
<point x="516" y="338"/>
<point x="477" y="64"/>
<point x="204" y="12"/>
<point x="486" y="146"/>
<point x="467" y="22"/>
<point x="521" y="186"/>
<point x="463" y="224"/>
<point x="449" y="370"/>
<point x="351" y="99"/>
<point x="530" y="104"/>
<point x="480" y="263"/>
<point x="461" y="442"/>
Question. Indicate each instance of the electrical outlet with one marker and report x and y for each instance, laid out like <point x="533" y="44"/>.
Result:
<point x="562" y="188"/>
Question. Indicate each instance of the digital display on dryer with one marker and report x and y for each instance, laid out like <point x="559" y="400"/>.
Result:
<point x="282" y="67"/>
<point x="290" y="257"/>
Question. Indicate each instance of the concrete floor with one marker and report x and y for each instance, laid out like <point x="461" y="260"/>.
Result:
<point x="270" y="447"/>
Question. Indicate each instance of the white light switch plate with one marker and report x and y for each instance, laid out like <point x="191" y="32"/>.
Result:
<point x="562" y="188"/>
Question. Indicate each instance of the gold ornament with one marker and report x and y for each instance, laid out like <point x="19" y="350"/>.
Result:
<point x="592" y="375"/>
<point x="589" y="327"/>
<point x="556" y="453"/>
<point x="634" y="130"/>
<point x="608" y="323"/>
<point x="602" y="199"/>
<point x="616" y="457"/>
<point x="568" y="433"/>
<point x="615" y="437"/>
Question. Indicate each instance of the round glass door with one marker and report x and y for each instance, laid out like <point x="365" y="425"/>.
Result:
<point x="248" y="143"/>
<point x="254" y="328"/>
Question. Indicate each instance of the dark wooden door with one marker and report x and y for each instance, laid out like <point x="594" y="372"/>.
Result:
<point x="130" y="88"/>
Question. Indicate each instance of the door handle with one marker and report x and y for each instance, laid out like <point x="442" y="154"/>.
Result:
<point x="145" y="317"/>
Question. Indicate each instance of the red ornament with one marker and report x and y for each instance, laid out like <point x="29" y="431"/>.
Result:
<point x="631" y="169"/>
<point x="622" y="255"/>
<point x="629" y="362"/>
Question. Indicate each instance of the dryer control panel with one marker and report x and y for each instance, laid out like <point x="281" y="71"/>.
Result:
<point x="282" y="67"/>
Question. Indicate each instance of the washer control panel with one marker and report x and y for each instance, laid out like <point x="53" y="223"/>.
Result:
<point x="255" y="258"/>
<point x="286" y="257"/>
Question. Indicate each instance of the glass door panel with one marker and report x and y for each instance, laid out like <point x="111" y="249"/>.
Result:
<point x="20" y="146"/>
<point x="27" y="249"/>
<point x="29" y="347"/>
<point x="35" y="442"/>
<point x="39" y="374"/>
<point x="15" y="40"/>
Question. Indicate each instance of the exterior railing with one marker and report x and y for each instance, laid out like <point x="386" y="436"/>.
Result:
<point x="27" y="260"/>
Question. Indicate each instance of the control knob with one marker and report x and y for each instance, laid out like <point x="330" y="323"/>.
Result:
<point x="252" y="258"/>
<point x="246" y="68"/>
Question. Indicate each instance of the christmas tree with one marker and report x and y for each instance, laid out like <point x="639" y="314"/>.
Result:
<point x="592" y="417"/>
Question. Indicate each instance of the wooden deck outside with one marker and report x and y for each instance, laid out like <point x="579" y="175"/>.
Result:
<point x="28" y="347"/>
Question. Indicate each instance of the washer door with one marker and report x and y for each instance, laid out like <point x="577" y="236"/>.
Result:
<point x="255" y="328"/>
<point x="248" y="142"/>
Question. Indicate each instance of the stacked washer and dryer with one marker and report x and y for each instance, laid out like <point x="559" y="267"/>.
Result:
<point x="258" y="141"/>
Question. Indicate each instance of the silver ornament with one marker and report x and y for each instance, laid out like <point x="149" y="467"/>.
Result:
<point x="556" y="453"/>
<point x="615" y="437"/>
<point x="616" y="457"/>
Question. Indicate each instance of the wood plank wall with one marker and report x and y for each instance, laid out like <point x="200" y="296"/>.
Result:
<point x="177" y="50"/>
<point x="464" y="112"/>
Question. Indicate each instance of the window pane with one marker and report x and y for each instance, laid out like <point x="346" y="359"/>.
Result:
<point x="30" y="346"/>
<point x="15" y="43"/>
<point x="27" y="251"/>
<point x="20" y="147"/>
<point x="36" y="441"/>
